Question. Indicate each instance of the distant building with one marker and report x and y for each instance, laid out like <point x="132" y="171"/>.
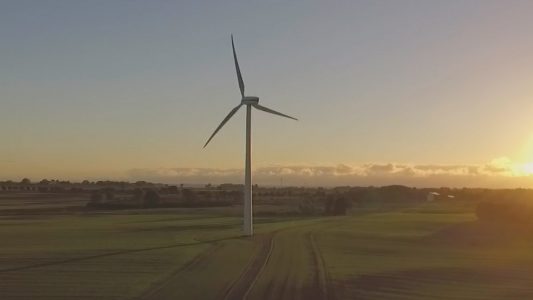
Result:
<point x="431" y="196"/>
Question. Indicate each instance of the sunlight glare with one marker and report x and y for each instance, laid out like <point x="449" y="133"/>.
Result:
<point x="527" y="168"/>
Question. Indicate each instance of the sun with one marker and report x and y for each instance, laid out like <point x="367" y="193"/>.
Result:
<point x="527" y="168"/>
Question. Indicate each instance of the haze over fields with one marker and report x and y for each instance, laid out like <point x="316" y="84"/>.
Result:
<point x="408" y="175"/>
<point x="406" y="92"/>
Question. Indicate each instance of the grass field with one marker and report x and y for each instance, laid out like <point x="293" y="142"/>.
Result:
<point x="434" y="251"/>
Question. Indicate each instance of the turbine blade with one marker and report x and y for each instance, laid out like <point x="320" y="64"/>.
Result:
<point x="268" y="110"/>
<point x="226" y="119"/>
<point x="239" y="76"/>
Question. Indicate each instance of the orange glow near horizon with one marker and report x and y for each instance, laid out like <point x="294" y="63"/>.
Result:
<point x="527" y="168"/>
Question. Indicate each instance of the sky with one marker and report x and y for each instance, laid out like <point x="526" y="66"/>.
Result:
<point x="422" y="93"/>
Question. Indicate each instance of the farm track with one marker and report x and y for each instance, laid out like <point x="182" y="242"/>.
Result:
<point x="322" y="282"/>
<point x="242" y="286"/>
<point x="78" y="259"/>
<point x="198" y="259"/>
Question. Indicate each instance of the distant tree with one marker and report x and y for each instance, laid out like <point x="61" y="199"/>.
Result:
<point x="151" y="198"/>
<point x="57" y="189"/>
<point x="25" y="181"/>
<point x="96" y="197"/>
<point x="189" y="196"/>
<point x="341" y="205"/>
<point x="173" y="189"/>
<point x="75" y="190"/>
<point x="223" y="195"/>
<point x="307" y="207"/>
<point x="238" y="196"/>
<point x="138" y="194"/>
<point x="320" y="193"/>
<point x="109" y="194"/>
<point x="336" y="205"/>
<point x="208" y="196"/>
<point x="329" y="205"/>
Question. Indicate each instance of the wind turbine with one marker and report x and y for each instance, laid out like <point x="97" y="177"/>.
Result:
<point x="249" y="101"/>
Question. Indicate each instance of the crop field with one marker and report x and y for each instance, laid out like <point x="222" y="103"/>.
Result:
<point x="13" y="203"/>
<point x="432" y="251"/>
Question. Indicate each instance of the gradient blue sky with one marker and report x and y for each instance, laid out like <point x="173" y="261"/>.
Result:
<point x="129" y="89"/>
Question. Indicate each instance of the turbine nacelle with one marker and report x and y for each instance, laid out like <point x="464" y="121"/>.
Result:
<point x="250" y="100"/>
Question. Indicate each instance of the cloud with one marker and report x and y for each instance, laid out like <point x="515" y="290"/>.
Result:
<point x="379" y="169"/>
<point x="500" y="172"/>
<point x="502" y="165"/>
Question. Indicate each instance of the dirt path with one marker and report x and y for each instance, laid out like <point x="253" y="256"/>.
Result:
<point x="242" y="286"/>
<point x="318" y="288"/>
<point x="322" y="287"/>
<point x="215" y="273"/>
<point x="291" y="285"/>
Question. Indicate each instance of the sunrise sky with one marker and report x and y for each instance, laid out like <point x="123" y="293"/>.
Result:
<point x="423" y="93"/>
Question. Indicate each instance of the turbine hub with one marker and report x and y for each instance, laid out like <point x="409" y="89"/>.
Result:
<point x="250" y="100"/>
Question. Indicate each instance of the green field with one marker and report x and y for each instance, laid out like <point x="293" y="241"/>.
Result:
<point x="433" y="251"/>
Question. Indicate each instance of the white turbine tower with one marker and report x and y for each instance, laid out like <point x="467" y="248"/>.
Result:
<point x="249" y="101"/>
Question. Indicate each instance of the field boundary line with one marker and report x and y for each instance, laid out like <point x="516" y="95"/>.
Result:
<point x="157" y="286"/>
<point x="96" y="256"/>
